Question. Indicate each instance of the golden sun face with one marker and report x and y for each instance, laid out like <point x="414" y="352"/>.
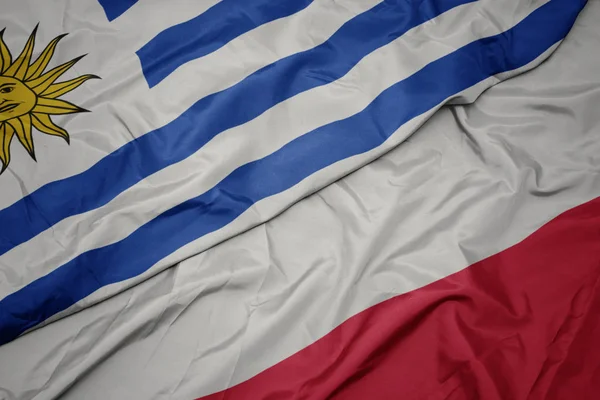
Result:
<point x="29" y="96"/>
<point x="16" y="99"/>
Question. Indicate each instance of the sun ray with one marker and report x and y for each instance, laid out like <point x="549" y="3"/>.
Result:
<point x="58" y="89"/>
<point x="56" y="107"/>
<point x="5" y="56"/>
<point x="22" y="127"/>
<point x="37" y="68"/>
<point x="6" y="135"/>
<point x="20" y="65"/>
<point x="43" y="123"/>
<point x="43" y="82"/>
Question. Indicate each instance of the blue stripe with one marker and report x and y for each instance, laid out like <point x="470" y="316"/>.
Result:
<point x="286" y="167"/>
<point x="114" y="8"/>
<point x="212" y="115"/>
<point x="208" y="32"/>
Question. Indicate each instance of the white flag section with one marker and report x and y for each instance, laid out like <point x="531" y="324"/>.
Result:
<point x="213" y="117"/>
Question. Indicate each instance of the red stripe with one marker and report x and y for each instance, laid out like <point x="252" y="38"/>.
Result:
<point x="522" y="324"/>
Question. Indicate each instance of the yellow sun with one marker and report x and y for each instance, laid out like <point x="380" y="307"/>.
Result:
<point x="28" y="95"/>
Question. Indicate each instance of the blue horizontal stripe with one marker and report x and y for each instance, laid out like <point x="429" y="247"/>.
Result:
<point x="212" y="115"/>
<point x="114" y="8"/>
<point x="288" y="166"/>
<point x="208" y="32"/>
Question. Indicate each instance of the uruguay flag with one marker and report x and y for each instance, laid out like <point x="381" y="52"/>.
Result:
<point x="186" y="125"/>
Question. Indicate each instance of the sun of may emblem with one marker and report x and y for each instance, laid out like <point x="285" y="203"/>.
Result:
<point x="29" y="95"/>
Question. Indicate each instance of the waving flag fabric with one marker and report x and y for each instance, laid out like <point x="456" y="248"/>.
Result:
<point x="216" y="116"/>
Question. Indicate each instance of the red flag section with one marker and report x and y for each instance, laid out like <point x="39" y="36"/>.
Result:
<point x="522" y="324"/>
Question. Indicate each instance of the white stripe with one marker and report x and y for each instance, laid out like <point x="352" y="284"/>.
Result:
<point x="147" y="18"/>
<point x="122" y="105"/>
<point x="426" y="209"/>
<point x="254" y="140"/>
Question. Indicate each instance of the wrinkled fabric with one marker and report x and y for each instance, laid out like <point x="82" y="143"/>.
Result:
<point x="471" y="182"/>
<point x="498" y="329"/>
<point x="175" y="189"/>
